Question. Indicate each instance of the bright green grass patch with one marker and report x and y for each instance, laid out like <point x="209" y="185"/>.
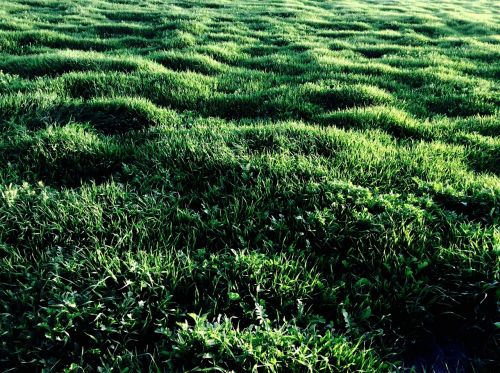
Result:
<point x="66" y="61"/>
<point x="233" y="186"/>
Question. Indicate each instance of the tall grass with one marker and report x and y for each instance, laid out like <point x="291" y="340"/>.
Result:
<point x="234" y="186"/>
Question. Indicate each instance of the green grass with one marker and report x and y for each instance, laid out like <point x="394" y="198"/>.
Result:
<point x="249" y="186"/>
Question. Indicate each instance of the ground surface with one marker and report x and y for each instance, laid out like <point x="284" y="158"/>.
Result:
<point x="237" y="185"/>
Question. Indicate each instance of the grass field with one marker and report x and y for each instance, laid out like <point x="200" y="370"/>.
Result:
<point x="239" y="185"/>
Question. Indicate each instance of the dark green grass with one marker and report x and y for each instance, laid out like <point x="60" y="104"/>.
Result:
<point x="249" y="186"/>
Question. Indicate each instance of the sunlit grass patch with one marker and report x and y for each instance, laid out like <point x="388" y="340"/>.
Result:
<point x="68" y="61"/>
<point x="249" y="186"/>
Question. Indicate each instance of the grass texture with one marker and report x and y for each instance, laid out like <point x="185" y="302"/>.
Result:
<point x="282" y="186"/>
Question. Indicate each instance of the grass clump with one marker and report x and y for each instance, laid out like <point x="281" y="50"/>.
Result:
<point x="67" y="61"/>
<point x="183" y="61"/>
<point x="69" y="155"/>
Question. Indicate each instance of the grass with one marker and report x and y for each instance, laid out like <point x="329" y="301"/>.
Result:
<point x="264" y="186"/>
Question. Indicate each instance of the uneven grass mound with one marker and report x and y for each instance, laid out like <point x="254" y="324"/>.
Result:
<point x="249" y="186"/>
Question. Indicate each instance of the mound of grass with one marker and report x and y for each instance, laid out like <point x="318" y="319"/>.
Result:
<point x="65" y="155"/>
<point x="18" y="42"/>
<point x="183" y="61"/>
<point x="234" y="186"/>
<point x="65" y="61"/>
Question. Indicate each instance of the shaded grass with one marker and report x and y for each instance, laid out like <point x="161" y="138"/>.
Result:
<point x="69" y="155"/>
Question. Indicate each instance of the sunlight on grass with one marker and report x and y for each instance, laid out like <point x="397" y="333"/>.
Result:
<point x="272" y="186"/>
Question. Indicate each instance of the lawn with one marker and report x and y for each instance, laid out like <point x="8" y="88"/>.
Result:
<point x="232" y="185"/>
